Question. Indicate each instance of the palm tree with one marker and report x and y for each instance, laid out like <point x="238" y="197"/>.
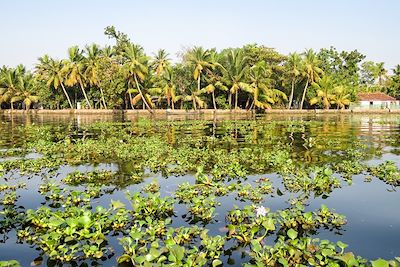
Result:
<point x="311" y="70"/>
<point x="234" y="72"/>
<point x="136" y="64"/>
<point x="396" y="70"/>
<point x="166" y="87"/>
<point x="24" y="93"/>
<point x="161" y="62"/>
<point x="108" y="51"/>
<point x="194" y="97"/>
<point x="200" y="59"/>
<point x="8" y="85"/>
<point x="91" y="68"/>
<point x="294" y="66"/>
<point x="341" y="97"/>
<point x="324" y="89"/>
<point x="263" y="95"/>
<point x="380" y="73"/>
<point x="213" y="78"/>
<point x="169" y="88"/>
<point x="51" y="71"/>
<point x="75" y="70"/>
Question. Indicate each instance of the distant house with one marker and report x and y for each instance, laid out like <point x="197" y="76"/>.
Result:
<point x="377" y="100"/>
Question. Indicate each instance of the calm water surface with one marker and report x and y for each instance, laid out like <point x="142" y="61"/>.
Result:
<point x="372" y="208"/>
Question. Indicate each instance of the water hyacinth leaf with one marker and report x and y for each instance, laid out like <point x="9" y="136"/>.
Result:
<point x="116" y="204"/>
<point x="292" y="234"/>
<point x="284" y="262"/>
<point x="216" y="262"/>
<point x="84" y="221"/>
<point x="341" y="245"/>
<point x="269" y="224"/>
<point x="11" y="263"/>
<point x="124" y="258"/>
<point x="380" y="263"/>
<point x="153" y="254"/>
<point x="176" y="253"/>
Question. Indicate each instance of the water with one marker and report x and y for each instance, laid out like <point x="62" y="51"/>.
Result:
<point x="371" y="207"/>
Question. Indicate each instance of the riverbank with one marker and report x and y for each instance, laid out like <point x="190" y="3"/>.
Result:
<point x="195" y="112"/>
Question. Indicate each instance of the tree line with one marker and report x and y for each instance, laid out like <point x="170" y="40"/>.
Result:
<point x="254" y="76"/>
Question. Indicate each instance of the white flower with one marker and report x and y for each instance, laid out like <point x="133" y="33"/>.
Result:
<point x="261" y="211"/>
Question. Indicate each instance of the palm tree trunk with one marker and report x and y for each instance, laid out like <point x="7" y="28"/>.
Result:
<point x="102" y="97"/>
<point x="66" y="94"/>
<point x="168" y="101"/>
<point x="141" y="94"/>
<point x="252" y="104"/>
<point x="173" y="105"/>
<point x="291" y="95"/>
<point x="194" y="102"/>
<point x="213" y="98"/>
<point x="304" y="94"/>
<point x="84" y="94"/>
<point x="236" y="99"/>
<point x="230" y="100"/>
<point x="130" y="99"/>
<point x="198" y="83"/>
<point x="247" y="102"/>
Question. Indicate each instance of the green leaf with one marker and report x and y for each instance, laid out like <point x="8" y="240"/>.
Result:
<point x="341" y="245"/>
<point x="283" y="261"/>
<point x="379" y="263"/>
<point x="84" y="221"/>
<point x="292" y="234"/>
<point x="11" y="263"/>
<point x="216" y="262"/>
<point x="116" y="204"/>
<point x="269" y="224"/>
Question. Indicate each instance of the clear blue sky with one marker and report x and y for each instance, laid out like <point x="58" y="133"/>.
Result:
<point x="31" y="28"/>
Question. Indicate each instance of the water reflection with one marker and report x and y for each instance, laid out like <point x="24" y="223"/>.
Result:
<point x="372" y="211"/>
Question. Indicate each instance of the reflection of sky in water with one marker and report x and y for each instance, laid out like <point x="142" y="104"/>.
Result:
<point x="373" y="213"/>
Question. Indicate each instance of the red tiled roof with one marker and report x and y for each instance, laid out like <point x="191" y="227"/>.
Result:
<point x="375" y="97"/>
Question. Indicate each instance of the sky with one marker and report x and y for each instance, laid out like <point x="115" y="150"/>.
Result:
<point x="32" y="28"/>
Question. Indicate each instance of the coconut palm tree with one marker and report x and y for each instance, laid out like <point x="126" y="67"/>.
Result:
<point x="396" y="70"/>
<point x="341" y="96"/>
<point x="91" y="62"/>
<point x="166" y="88"/>
<point x="194" y="97"/>
<point x="24" y="92"/>
<point x="136" y="63"/>
<point x="311" y="70"/>
<point x="324" y="92"/>
<point x="295" y="68"/>
<point x="263" y="95"/>
<point x="108" y="51"/>
<point x="51" y="71"/>
<point x="74" y="70"/>
<point x="213" y="77"/>
<point x="380" y="73"/>
<point x="8" y="85"/>
<point x="200" y="60"/>
<point x="234" y="73"/>
<point x="160" y="62"/>
<point x="169" y="87"/>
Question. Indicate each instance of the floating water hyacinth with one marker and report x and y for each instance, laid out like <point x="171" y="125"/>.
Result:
<point x="261" y="211"/>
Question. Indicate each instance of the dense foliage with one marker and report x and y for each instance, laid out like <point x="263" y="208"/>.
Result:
<point x="250" y="77"/>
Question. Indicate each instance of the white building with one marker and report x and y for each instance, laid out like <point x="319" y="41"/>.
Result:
<point x="377" y="101"/>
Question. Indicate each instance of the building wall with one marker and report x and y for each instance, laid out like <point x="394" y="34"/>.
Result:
<point x="375" y="103"/>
